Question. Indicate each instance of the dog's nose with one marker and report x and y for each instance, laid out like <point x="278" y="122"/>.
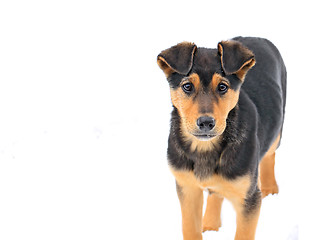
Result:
<point x="205" y="123"/>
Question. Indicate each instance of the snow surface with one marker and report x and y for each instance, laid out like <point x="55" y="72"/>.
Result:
<point x="85" y="116"/>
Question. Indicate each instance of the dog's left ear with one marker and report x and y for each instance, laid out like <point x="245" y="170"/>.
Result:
<point x="235" y="58"/>
<point x="178" y="58"/>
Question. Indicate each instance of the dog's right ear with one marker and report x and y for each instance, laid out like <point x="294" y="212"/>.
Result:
<point x="178" y="58"/>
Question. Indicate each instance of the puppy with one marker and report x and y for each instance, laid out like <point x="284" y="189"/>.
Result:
<point x="226" y="124"/>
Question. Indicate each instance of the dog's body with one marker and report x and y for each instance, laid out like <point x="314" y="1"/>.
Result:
<point x="227" y="120"/>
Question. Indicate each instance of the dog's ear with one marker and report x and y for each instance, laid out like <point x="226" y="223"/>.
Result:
<point x="178" y="58"/>
<point x="235" y="58"/>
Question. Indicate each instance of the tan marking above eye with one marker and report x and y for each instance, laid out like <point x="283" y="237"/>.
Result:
<point x="194" y="79"/>
<point x="217" y="79"/>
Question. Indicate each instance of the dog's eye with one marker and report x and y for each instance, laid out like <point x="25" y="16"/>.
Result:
<point x="187" y="87"/>
<point x="222" y="88"/>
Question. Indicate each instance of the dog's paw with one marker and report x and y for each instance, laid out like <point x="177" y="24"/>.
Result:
<point x="269" y="190"/>
<point x="211" y="226"/>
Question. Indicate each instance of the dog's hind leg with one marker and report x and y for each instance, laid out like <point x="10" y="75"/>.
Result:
<point x="267" y="177"/>
<point x="212" y="216"/>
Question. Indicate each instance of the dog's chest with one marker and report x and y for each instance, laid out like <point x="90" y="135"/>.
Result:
<point x="204" y="167"/>
<point x="230" y="189"/>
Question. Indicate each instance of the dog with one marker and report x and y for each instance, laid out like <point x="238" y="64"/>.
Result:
<point x="226" y="124"/>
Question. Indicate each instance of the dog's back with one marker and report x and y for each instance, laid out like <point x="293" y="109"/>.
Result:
<point x="265" y="86"/>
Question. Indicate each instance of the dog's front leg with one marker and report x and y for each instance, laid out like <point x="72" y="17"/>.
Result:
<point x="191" y="200"/>
<point x="247" y="212"/>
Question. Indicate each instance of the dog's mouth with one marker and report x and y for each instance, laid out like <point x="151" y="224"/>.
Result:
<point x="204" y="137"/>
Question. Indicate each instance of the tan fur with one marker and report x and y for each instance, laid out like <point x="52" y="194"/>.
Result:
<point x="230" y="189"/>
<point x="241" y="73"/>
<point x="268" y="183"/>
<point x="188" y="109"/>
<point x="191" y="202"/>
<point x="202" y="146"/>
<point x="189" y="112"/>
<point x="212" y="216"/>
<point x="224" y="105"/>
<point x="165" y="67"/>
<point x="234" y="190"/>
<point x="246" y="225"/>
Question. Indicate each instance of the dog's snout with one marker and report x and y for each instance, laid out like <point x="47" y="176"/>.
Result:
<point x="205" y="123"/>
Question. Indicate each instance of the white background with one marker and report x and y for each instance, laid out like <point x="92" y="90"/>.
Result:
<point x="84" y="116"/>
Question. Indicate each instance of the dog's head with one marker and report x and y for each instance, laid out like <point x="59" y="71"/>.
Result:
<point x="205" y="84"/>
